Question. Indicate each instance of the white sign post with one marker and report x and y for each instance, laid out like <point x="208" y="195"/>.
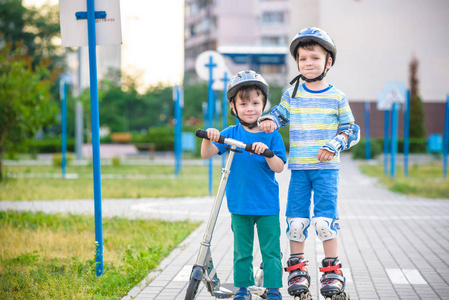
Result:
<point x="84" y="22"/>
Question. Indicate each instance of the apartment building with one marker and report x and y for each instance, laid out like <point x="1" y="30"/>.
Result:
<point x="376" y="42"/>
<point x="250" y="34"/>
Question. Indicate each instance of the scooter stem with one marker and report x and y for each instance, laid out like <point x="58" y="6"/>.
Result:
<point x="205" y="244"/>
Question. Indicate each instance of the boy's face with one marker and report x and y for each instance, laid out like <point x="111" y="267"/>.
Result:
<point x="250" y="108"/>
<point x="311" y="61"/>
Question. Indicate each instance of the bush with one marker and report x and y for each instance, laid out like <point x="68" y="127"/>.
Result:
<point x="162" y="137"/>
<point x="48" y="146"/>
<point x="116" y="161"/>
<point x="57" y="160"/>
<point x="358" y="152"/>
<point x="416" y="145"/>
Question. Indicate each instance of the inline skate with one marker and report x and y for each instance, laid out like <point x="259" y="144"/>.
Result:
<point x="298" y="279"/>
<point x="332" y="281"/>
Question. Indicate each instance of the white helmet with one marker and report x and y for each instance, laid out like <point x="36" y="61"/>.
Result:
<point x="242" y="79"/>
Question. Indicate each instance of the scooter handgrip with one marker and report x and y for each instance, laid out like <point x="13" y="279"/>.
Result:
<point x="203" y="134"/>
<point x="267" y="153"/>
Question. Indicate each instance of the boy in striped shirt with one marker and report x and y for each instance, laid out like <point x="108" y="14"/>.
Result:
<point x="321" y="125"/>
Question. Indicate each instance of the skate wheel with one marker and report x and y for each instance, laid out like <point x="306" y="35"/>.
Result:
<point x="341" y="296"/>
<point x="304" y="296"/>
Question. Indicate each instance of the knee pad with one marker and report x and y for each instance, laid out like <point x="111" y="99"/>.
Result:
<point x="297" y="229"/>
<point x="326" y="228"/>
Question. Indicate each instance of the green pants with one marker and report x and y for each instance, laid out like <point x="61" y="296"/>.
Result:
<point x="269" y="233"/>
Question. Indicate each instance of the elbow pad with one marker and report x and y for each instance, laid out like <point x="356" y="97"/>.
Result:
<point x="339" y="143"/>
<point x="335" y="145"/>
<point x="352" y="131"/>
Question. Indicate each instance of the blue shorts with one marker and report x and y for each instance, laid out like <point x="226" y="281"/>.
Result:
<point x="323" y="183"/>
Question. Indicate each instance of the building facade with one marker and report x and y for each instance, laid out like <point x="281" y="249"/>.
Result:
<point x="251" y="34"/>
<point x="376" y="41"/>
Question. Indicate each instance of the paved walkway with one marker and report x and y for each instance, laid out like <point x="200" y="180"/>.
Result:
<point x="391" y="246"/>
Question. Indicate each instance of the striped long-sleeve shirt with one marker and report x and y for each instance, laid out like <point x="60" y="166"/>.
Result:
<point x="314" y="117"/>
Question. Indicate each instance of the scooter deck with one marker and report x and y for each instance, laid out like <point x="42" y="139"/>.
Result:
<point x="228" y="289"/>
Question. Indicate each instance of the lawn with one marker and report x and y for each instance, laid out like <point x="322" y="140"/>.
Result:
<point x="120" y="181"/>
<point x="52" y="256"/>
<point x="423" y="180"/>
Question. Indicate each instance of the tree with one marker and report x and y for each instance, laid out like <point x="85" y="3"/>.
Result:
<point x="36" y="28"/>
<point x="25" y="99"/>
<point x="417" y="128"/>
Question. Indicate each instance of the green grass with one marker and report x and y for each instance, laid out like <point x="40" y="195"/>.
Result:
<point x="423" y="180"/>
<point x="159" y="182"/>
<point x="52" y="256"/>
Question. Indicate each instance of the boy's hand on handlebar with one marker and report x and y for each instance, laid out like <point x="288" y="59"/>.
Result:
<point x="259" y="148"/>
<point x="213" y="134"/>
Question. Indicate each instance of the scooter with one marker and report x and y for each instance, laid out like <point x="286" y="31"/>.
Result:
<point x="204" y="269"/>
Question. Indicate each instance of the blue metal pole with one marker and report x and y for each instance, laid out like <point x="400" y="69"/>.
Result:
<point x="406" y="132"/>
<point x="204" y="107"/>
<point x="181" y="105"/>
<point x="386" y="139"/>
<point x="95" y="124"/>
<point x="63" y="88"/>
<point x="211" y="101"/>
<point x="217" y="108"/>
<point x="394" y="138"/>
<point x="367" y="132"/>
<point x="178" y="135"/>
<point x="225" y="80"/>
<point x="446" y="137"/>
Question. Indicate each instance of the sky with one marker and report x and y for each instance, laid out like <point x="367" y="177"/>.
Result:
<point x="153" y="38"/>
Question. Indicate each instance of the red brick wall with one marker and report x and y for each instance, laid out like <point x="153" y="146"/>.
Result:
<point x="433" y="118"/>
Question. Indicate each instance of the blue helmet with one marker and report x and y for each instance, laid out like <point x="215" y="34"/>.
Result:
<point x="317" y="35"/>
<point x="246" y="78"/>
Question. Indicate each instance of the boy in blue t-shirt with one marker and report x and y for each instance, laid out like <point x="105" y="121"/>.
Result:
<point x="321" y="125"/>
<point x="252" y="191"/>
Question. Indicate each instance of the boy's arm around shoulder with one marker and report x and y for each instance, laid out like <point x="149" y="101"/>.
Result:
<point x="275" y="119"/>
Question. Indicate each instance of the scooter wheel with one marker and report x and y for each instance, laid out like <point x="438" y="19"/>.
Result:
<point x="192" y="288"/>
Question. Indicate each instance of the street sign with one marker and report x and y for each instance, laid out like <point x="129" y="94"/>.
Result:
<point x="74" y="22"/>
<point x="394" y="92"/>
<point x="203" y="59"/>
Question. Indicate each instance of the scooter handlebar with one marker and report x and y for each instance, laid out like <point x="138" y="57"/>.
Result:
<point x="223" y="140"/>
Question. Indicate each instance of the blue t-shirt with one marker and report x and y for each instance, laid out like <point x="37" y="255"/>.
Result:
<point x="252" y="188"/>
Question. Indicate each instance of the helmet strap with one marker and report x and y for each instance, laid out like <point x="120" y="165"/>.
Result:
<point x="300" y="76"/>
<point x="249" y="125"/>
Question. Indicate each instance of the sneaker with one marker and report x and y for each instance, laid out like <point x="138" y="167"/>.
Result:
<point x="242" y="294"/>
<point x="274" y="294"/>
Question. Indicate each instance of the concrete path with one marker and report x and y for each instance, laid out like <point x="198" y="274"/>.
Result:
<point x="391" y="246"/>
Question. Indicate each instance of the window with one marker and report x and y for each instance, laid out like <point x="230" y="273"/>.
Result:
<point x="274" y="41"/>
<point x="272" y="17"/>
